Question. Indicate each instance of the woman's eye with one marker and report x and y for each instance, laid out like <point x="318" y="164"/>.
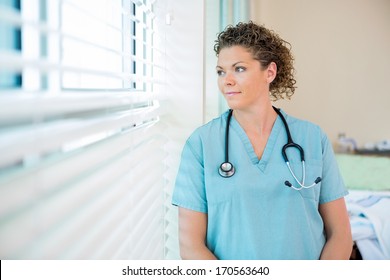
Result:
<point x="240" y="69"/>
<point x="220" y="72"/>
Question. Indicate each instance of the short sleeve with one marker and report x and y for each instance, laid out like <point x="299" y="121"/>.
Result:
<point x="332" y="184"/>
<point x="189" y="191"/>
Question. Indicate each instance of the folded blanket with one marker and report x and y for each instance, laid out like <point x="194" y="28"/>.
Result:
<point x="370" y="223"/>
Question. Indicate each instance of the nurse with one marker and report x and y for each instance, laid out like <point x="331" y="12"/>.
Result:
<point x="254" y="214"/>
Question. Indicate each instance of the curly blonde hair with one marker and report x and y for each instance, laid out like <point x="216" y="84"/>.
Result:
<point x="266" y="46"/>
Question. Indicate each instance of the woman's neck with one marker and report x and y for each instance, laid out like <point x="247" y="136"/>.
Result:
<point x="258" y="120"/>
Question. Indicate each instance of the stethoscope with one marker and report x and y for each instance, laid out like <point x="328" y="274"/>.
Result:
<point x="227" y="170"/>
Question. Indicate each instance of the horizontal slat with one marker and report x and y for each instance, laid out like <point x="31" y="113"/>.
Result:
<point x="87" y="244"/>
<point x="153" y="240"/>
<point x="64" y="213"/>
<point x="13" y="61"/>
<point x="82" y="235"/>
<point x="15" y="19"/>
<point x="111" y="235"/>
<point x="67" y="237"/>
<point x="46" y="105"/>
<point x="101" y="230"/>
<point x="111" y="243"/>
<point x="50" y="175"/>
<point x="151" y="243"/>
<point x="150" y="219"/>
<point x="82" y="41"/>
<point x="83" y="44"/>
<point x="86" y="12"/>
<point x="41" y="139"/>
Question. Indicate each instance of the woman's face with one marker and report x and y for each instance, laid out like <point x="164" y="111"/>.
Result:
<point x="240" y="78"/>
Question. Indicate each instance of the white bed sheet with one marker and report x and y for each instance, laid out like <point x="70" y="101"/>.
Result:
<point x="369" y="213"/>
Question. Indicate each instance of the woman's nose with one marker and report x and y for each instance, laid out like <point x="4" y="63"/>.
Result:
<point x="229" y="79"/>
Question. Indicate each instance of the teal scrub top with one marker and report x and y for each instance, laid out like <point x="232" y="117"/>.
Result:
<point x="253" y="214"/>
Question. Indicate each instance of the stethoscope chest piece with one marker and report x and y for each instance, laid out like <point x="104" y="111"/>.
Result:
<point x="226" y="169"/>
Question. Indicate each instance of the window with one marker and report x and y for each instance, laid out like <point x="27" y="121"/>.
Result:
<point x="10" y="41"/>
<point x="79" y="110"/>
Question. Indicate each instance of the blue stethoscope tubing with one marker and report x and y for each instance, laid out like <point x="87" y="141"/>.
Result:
<point x="227" y="169"/>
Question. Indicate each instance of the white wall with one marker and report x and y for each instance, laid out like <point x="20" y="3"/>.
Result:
<point x="342" y="51"/>
<point x="184" y="95"/>
<point x="213" y="97"/>
<point x="184" y="51"/>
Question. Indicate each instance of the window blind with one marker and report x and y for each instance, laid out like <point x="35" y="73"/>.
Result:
<point x="82" y="158"/>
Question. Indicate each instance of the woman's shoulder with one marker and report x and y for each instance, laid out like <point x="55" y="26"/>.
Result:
<point x="207" y="133"/>
<point x="303" y="124"/>
<point x="212" y="127"/>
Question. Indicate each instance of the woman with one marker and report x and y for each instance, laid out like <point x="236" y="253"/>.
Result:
<point x="247" y="204"/>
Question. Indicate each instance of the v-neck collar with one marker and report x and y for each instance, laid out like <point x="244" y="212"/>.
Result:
<point x="269" y="147"/>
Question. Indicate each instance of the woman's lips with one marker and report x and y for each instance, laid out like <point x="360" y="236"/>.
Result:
<point x="231" y="93"/>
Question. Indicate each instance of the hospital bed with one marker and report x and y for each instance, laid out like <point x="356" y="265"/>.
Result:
<point x="368" y="204"/>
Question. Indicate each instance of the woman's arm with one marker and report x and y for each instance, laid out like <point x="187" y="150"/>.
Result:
<point x="338" y="244"/>
<point x="192" y="235"/>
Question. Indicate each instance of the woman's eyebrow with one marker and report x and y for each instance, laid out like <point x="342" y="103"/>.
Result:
<point x="233" y="65"/>
<point x="237" y="63"/>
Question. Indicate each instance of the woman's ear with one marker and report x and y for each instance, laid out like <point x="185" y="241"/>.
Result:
<point x="271" y="72"/>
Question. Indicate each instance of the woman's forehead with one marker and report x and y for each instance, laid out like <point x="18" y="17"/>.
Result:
<point x="234" y="53"/>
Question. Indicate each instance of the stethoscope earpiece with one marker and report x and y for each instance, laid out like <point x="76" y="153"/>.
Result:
<point x="301" y="186"/>
<point x="288" y="184"/>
